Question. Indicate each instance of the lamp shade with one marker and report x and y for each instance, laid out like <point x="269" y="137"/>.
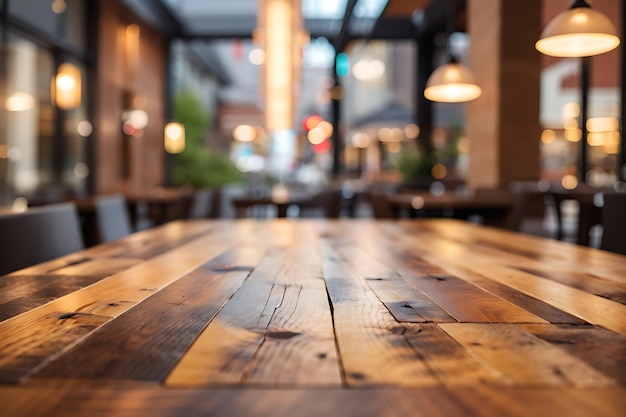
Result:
<point x="578" y="32"/>
<point x="452" y="83"/>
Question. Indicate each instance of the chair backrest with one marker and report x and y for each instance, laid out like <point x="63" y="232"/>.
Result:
<point x="112" y="217"/>
<point x="38" y="235"/>
<point x="614" y="223"/>
<point x="203" y="204"/>
<point x="380" y="205"/>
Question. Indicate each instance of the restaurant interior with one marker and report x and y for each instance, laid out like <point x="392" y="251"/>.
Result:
<point x="373" y="143"/>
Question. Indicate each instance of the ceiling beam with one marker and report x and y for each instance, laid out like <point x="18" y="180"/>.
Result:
<point x="342" y="39"/>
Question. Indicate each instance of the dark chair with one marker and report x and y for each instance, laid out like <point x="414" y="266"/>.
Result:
<point x="112" y="218"/>
<point x="204" y="204"/>
<point x="38" y="235"/>
<point x="380" y="205"/>
<point x="614" y="223"/>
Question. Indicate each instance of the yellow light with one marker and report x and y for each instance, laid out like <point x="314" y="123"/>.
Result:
<point x="360" y="140"/>
<point x="244" y="133"/>
<point x="326" y="128"/>
<point x="439" y="171"/>
<point x="58" y="6"/>
<point x="452" y="83"/>
<point x="548" y="136"/>
<point x="20" y="102"/>
<point x="602" y="124"/>
<point x="67" y="87"/>
<point x="412" y="131"/>
<point x="316" y="136"/>
<point x="573" y="134"/>
<point x="394" y="147"/>
<point x="463" y="145"/>
<point x="417" y="203"/>
<point x="385" y="134"/>
<point x="596" y="138"/>
<point x="570" y="110"/>
<point x="570" y="123"/>
<point x="578" y="32"/>
<point x="569" y="182"/>
<point x="174" y="137"/>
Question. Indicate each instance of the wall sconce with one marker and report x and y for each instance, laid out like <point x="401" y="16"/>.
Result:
<point x="132" y="42"/>
<point x="579" y="31"/>
<point x="174" y="137"/>
<point x="67" y="87"/>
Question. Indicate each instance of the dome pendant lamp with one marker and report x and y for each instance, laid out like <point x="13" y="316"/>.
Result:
<point x="579" y="31"/>
<point x="452" y="82"/>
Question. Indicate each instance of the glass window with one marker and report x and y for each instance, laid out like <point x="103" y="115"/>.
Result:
<point x="29" y="116"/>
<point x="63" y="18"/>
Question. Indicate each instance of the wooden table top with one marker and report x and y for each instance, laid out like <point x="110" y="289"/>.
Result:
<point x="429" y="317"/>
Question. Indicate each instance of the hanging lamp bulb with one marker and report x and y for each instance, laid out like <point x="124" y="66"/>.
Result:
<point x="452" y="83"/>
<point x="579" y="31"/>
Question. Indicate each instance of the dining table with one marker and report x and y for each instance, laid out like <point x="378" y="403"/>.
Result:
<point x="317" y="317"/>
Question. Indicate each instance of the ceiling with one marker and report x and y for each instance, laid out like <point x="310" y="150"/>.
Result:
<point x="206" y="19"/>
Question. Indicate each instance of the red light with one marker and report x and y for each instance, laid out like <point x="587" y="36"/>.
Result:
<point x="311" y="122"/>
<point x="322" y="147"/>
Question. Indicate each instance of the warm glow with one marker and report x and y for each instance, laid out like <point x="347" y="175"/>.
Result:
<point x="412" y="131"/>
<point x="174" y="137"/>
<point x="66" y="88"/>
<point x="20" y="102"/>
<point x="20" y="204"/>
<point x="393" y="147"/>
<point x="132" y="34"/>
<point x="452" y="83"/>
<point x="316" y="136"/>
<point x="385" y="134"/>
<point x="578" y="32"/>
<point x="602" y="124"/>
<point x="58" y="6"/>
<point x="244" y="133"/>
<point x="312" y="122"/>
<point x="463" y="145"/>
<point x="417" y="203"/>
<point x="360" y="140"/>
<point x="4" y="151"/>
<point x="569" y="182"/>
<point x="279" y="26"/>
<point x="368" y="69"/>
<point x="548" y="136"/>
<point x="570" y="110"/>
<point x="572" y="134"/>
<point x="326" y="128"/>
<point x="439" y="171"/>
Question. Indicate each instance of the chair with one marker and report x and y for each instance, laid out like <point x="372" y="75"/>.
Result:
<point x="38" y="235"/>
<point x="204" y="204"/>
<point x="326" y="203"/>
<point x="112" y="218"/>
<point x="380" y="205"/>
<point x="614" y="223"/>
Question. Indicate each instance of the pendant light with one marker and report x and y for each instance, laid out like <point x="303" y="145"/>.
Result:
<point x="579" y="31"/>
<point x="452" y="82"/>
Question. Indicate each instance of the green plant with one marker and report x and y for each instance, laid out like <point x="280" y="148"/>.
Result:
<point x="415" y="165"/>
<point x="197" y="166"/>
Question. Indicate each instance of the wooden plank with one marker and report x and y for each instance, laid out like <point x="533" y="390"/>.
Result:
<point x="448" y="359"/>
<point x="602" y="349"/>
<point x="146" y="342"/>
<point x="403" y="301"/>
<point x="99" y="267"/>
<point x="373" y="347"/>
<point x="589" y="283"/>
<point x="123" y="400"/>
<point x="19" y="294"/>
<point x="280" y="312"/>
<point x="429" y="250"/>
<point x="30" y="340"/>
<point x="523" y="358"/>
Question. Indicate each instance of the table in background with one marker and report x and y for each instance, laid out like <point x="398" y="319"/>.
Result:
<point x="425" y="317"/>
<point x="495" y="208"/>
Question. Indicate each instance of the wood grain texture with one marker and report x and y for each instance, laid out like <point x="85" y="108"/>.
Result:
<point x="145" y="342"/>
<point x="280" y="312"/>
<point x="123" y="400"/>
<point x="523" y="358"/>
<point x="30" y="340"/>
<point x="308" y="318"/>
<point x="602" y="349"/>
